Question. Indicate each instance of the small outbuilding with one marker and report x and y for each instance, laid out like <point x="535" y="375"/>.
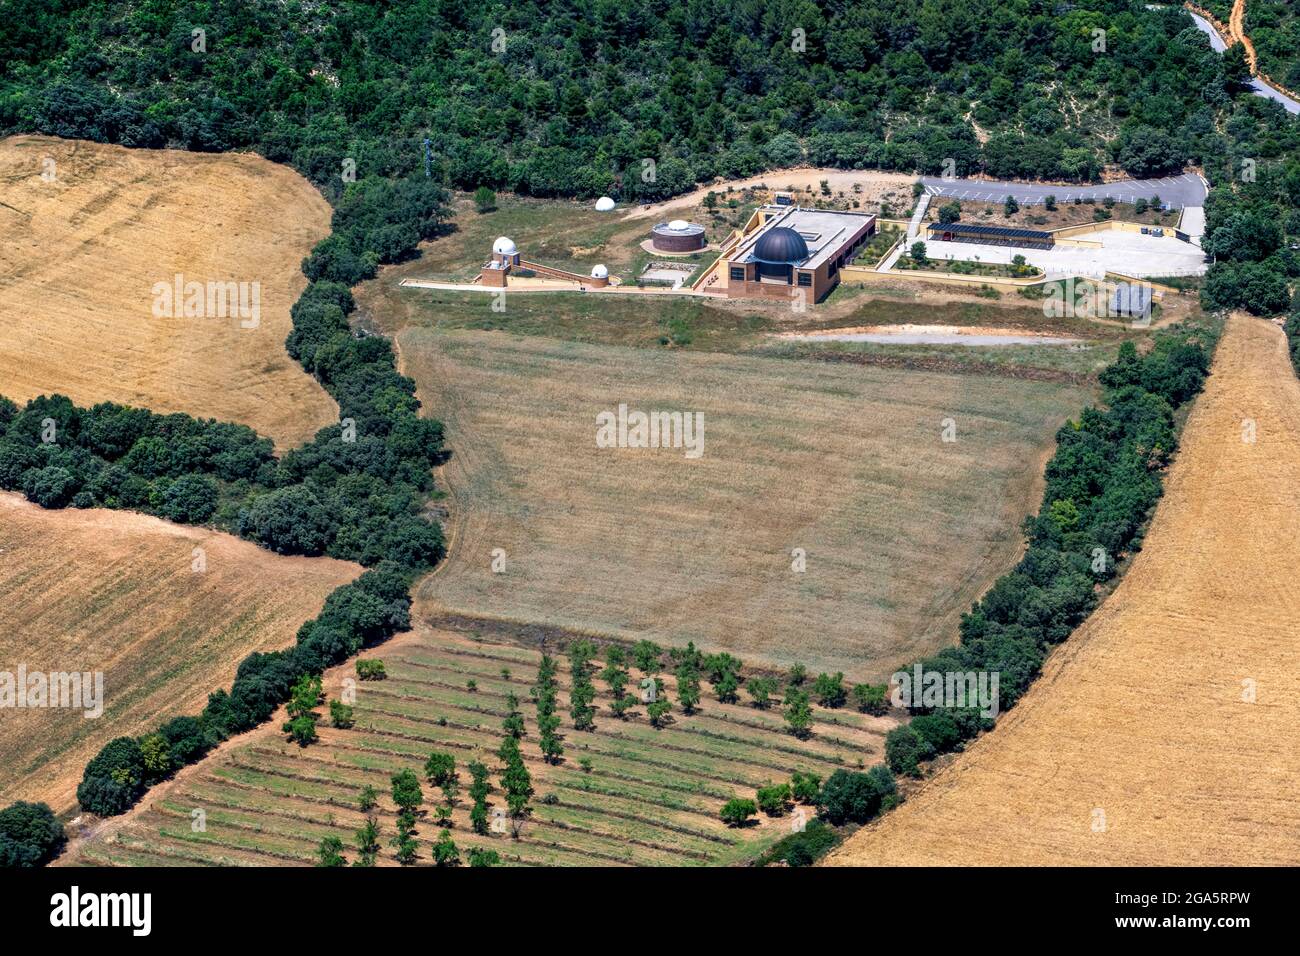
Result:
<point x="677" y="236"/>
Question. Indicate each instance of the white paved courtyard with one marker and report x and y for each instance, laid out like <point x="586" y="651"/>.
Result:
<point x="1126" y="253"/>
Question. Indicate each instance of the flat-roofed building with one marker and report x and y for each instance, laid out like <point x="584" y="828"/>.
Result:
<point x="990" y="235"/>
<point x="794" y="248"/>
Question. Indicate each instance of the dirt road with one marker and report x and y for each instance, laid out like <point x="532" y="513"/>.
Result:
<point x="1163" y="732"/>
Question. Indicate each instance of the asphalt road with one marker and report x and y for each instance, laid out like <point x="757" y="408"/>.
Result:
<point x="1259" y="86"/>
<point x="1175" y="191"/>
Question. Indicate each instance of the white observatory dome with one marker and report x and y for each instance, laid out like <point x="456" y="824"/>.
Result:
<point x="679" y="225"/>
<point x="600" y="272"/>
<point x="604" y="204"/>
<point x="504" y="246"/>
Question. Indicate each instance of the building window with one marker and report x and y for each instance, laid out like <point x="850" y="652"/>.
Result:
<point x="835" y="267"/>
<point x="805" y="278"/>
<point x="738" y="273"/>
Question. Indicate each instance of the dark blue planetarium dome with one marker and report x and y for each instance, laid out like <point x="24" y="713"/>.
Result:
<point x="781" y="246"/>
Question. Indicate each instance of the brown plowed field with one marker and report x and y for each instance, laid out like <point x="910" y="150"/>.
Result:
<point x="116" y="592"/>
<point x="1140" y="716"/>
<point x="79" y="256"/>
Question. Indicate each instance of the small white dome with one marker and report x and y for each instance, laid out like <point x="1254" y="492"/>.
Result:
<point x="600" y="272"/>
<point x="504" y="246"/>
<point x="604" y="204"/>
<point x="679" y="225"/>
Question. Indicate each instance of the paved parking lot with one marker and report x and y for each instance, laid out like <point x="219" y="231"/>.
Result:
<point x="1175" y="191"/>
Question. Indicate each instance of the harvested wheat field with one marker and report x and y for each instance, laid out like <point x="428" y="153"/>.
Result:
<point x="86" y="239"/>
<point x="622" y="793"/>
<point x="117" y="592"/>
<point x="1140" y="744"/>
<point x="900" y="529"/>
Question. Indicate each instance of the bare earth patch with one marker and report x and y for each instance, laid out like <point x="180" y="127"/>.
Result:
<point x="116" y="592"/>
<point x="1138" y="745"/>
<point x="82" y="252"/>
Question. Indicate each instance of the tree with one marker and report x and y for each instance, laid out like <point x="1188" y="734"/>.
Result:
<point x="155" y="753"/>
<point x="367" y="843"/>
<point x="805" y="787"/>
<point x="736" y="813"/>
<point x="369" y="669"/>
<point x="330" y="853"/>
<point x="658" y="710"/>
<point x="445" y="852"/>
<point x="949" y="213"/>
<point x="368" y="798"/>
<point x="404" y="842"/>
<point x="514" y="721"/>
<point x="904" y="751"/>
<point x="479" y="789"/>
<point x="485" y="200"/>
<point x="190" y="499"/>
<point x="29" y="835"/>
<point x="1145" y="152"/>
<point x="918" y="253"/>
<point x="727" y="688"/>
<point x="478" y="856"/>
<point x="648" y="657"/>
<point x="871" y="698"/>
<point x="1050" y="203"/>
<point x="775" y="799"/>
<point x="440" y="769"/>
<point x="291" y="520"/>
<point x="850" y="797"/>
<point x="798" y="713"/>
<point x="516" y="781"/>
<point x="341" y="715"/>
<point x="1010" y="207"/>
<point x="688" y="687"/>
<point x="304" y="697"/>
<point x="761" y="690"/>
<point x="829" y="690"/>
<point x="1236" y="67"/>
<point x="407" y="793"/>
<point x="114" y="779"/>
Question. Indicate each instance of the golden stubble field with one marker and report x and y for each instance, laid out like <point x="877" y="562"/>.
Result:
<point x="118" y="592"/>
<point x="88" y="230"/>
<point x="1141" y="745"/>
<point x="901" y="531"/>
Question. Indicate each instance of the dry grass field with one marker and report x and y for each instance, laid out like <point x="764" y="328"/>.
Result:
<point x="116" y="592"/>
<point x="80" y="257"/>
<point x="901" y="530"/>
<point x="648" y="797"/>
<point x="1141" y="744"/>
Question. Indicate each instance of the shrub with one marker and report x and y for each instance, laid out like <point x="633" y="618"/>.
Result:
<point x="114" y="778"/>
<point x="774" y="800"/>
<point x="736" y="813"/>
<point x="803" y="848"/>
<point x="829" y="690"/>
<point x="904" y="751"/>
<point x="370" y="669"/>
<point x="29" y="835"/>
<point x="851" y="797"/>
<point x="805" y="787"/>
<point x="871" y="698"/>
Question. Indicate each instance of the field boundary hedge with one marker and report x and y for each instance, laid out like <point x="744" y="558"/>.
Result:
<point x="355" y="492"/>
<point x="1103" y="484"/>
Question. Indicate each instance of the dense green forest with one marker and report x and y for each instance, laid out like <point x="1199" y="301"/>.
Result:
<point x="573" y="97"/>
<point x="569" y="97"/>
